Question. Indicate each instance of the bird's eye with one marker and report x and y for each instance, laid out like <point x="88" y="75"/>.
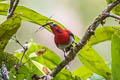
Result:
<point x="55" y="25"/>
<point x="58" y="30"/>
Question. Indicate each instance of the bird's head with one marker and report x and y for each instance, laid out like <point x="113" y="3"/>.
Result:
<point x="56" y="29"/>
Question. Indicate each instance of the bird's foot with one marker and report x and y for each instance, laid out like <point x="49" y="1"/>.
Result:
<point x="72" y="49"/>
<point x="65" y="56"/>
<point x="76" y="44"/>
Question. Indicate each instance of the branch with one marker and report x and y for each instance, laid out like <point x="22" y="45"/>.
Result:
<point x="13" y="5"/>
<point x="114" y="16"/>
<point x="19" y="63"/>
<point x="85" y="38"/>
<point x="24" y="48"/>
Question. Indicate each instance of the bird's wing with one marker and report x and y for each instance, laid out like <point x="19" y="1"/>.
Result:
<point x="70" y="33"/>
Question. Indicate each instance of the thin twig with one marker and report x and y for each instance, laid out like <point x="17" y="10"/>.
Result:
<point x="19" y="63"/>
<point x="85" y="38"/>
<point x="13" y="9"/>
<point x="24" y="48"/>
<point x="13" y="5"/>
<point x="114" y="16"/>
<point x="17" y="41"/>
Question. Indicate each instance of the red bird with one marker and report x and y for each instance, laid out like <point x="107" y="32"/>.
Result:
<point x="63" y="38"/>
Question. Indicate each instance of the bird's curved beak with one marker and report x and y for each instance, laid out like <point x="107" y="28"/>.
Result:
<point x="49" y="23"/>
<point x="44" y="25"/>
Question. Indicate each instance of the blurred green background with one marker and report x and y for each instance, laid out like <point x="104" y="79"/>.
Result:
<point x="76" y="15"/>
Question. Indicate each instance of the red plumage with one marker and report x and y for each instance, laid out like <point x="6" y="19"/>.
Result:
<point x="63" y="38"/>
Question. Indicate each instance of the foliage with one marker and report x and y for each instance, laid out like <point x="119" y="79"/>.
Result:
<point x="8" y="59"/>
<point x="7" y="29"/>
<point x="94" y="62"/>
<point x="2" y="0"/>
<point x="40" y="60"/>
<point x="115" y="49"/>
<point x="82" y="72"/>
<point x="116" y="10"/>
<point x="36" y="64"/>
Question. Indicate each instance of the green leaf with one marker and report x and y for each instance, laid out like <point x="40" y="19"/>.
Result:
<point x="76" y="78"/>
<point x="8" y="59"/>
<point x="64" y="75"/>
<point x="23" y="73"/>
<point x="115" y="10"/>
<point x="41" y="67"/>
<point x="90" y="58"/>
<point x="26" y="14"/>
<point x="7" y="29"/>
<point x="103" y="34"/>
<point x="20" y="77"/>
<point x="48" y="58"/>
<point x="2" y="0"/>
<point x="115" y="49"/>
<point x="82" y="72"/>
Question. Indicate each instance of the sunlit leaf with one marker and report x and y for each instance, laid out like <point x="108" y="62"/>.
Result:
<point x="22" y="73"/>
<point x="41" y="67"/>
<point x="2" y="0"/>
<point x="64" y="74"/>
<point x="115" y="10"/>
<point x="82" y="72"/>
<point x="76" y="78"/>
<point x="103" y="34"/>
<point x="48" y="58"/>
<point x="7" y="29"/>
<point x="115" y="49"/>
<point x="94" y="62"/>
<point x="26" y="14"/>
<point x="20" y="77"/>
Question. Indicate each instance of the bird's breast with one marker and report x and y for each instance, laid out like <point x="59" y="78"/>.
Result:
<point x="63" y="46"/>
<point x="61" y="38"/>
